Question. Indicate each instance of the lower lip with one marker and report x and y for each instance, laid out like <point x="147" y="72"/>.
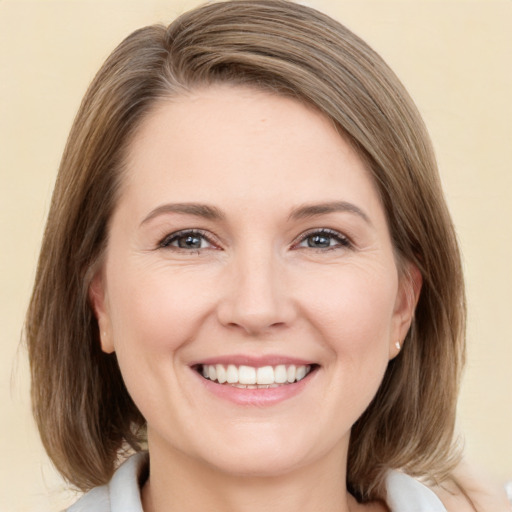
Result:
<point x="256" y="397"/>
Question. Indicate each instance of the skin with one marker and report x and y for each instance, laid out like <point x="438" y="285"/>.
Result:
<point x="471" y="489"/>
<point x="255" y="287"/>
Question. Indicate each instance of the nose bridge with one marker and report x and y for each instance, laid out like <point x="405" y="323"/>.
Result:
<point x="256" y="298"/>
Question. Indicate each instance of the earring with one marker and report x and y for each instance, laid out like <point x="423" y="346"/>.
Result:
<point x="397" y="345"/>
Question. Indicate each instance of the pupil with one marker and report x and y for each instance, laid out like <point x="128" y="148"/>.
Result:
<point x="318" y="241"/>
<point x="190" y="242"/>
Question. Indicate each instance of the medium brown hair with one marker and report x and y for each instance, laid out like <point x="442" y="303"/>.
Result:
<point x="83" y="411"/>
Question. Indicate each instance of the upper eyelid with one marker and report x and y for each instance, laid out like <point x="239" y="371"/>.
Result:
<point x="322" y="230"/>
<point x="165" y="241"/>
<point x="325" y="231"/>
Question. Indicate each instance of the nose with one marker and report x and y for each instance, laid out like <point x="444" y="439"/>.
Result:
<point x="256" y="298"/>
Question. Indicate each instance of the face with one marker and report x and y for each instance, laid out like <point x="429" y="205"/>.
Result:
<point x="249" y="287"/>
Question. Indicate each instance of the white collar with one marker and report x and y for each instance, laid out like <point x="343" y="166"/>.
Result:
<point x="405" y="494"/>
<point x="122" y="493"/>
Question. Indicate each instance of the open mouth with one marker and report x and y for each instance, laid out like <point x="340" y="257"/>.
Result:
<point x="249" y="377"/>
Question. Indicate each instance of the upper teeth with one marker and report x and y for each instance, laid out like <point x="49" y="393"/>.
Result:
<point x="249" y="375"/>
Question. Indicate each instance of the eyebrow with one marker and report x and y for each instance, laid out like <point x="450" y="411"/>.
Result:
<point x="302" y="212"/>
<point x="313" y="210"/>
<point x="199" y="210"/>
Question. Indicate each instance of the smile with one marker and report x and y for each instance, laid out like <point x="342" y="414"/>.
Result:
<point x="250" y="377"/>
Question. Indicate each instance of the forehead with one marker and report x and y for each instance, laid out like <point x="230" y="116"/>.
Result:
<point x="241" y="142"/>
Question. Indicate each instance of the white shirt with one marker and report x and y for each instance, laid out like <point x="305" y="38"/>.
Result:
<point x="122" y="493"/>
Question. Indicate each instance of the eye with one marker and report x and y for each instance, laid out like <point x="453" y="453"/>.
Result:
<point x="323" y="239"/>
<point x="192" y="240"/>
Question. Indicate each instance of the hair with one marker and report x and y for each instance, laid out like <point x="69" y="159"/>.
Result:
<point x="84" y="413"/>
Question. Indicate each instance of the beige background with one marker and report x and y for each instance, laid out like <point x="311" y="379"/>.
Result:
<point x="455" y="58"/>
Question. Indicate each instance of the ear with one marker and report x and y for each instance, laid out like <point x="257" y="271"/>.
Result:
<point x="98" y="299"/>
<point x="409" y="288"/>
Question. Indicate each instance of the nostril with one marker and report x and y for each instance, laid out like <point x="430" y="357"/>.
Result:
<point x="255" y="327"/>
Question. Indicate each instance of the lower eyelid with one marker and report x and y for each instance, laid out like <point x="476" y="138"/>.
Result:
<point x="166" y="242"/>
<point x="341" y="239"/>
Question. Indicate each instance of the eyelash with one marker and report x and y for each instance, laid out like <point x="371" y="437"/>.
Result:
<point x="342" y="240"/>
<point x="174" y="237"/>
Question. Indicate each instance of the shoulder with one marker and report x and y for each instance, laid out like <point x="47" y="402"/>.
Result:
<point x="454" y="499"/>
<point x="121" y="493"/>
<point x="96" y="500"/>
<point x="467" y="490"/>
<point x="470" y="490"/>
<point x="406" y="494"/>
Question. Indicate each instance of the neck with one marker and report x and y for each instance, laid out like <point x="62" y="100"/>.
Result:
<point x="179" y="482"/>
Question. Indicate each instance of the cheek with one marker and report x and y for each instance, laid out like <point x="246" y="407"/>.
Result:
<point x="353" y="307"/>
<point x="156" y="310"/>
<point x="154" y="313"/>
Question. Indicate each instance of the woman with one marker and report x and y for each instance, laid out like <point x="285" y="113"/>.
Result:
<point x="248" y="260"/>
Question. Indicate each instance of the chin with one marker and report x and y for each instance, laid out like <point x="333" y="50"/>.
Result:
<point x="265" y="454"/>
<point x="261" y="465"/>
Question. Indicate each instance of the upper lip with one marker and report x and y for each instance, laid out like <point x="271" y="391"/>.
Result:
<point x="254" y="361"/>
